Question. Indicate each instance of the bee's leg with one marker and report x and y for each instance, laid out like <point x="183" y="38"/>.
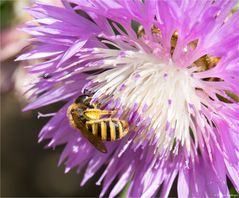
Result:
<point x="108" y="112"/>
<point x="114" y="112"/>
<point x="95" y="114"/>
<point x="95" y="105"/>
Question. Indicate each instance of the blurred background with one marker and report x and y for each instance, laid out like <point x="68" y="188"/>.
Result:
<point x="27" y="169"/>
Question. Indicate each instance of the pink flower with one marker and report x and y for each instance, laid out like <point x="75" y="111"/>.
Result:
<point x="168" y="67"/>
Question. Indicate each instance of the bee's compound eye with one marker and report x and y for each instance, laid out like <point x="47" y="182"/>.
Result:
<point x="87" y="101"/>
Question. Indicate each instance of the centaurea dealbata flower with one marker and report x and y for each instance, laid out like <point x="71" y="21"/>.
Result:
<point x="170" y="68"/>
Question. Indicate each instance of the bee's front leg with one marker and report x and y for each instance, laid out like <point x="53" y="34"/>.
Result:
<point x="96" y="114"/>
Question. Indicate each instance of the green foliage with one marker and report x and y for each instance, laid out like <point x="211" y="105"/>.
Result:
<point x="7" y="14"/>
<point x="124" y="191"/>
<point x="233" y="193"/>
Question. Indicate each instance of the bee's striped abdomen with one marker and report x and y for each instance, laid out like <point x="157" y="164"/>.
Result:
<point x="117" y="126"/>
<point x="90" y="128"/>
<point x="108" y="129"/>
<point x="95" y="129"/>
<point x="113" y="130"/>
<point x="103" y="134"/>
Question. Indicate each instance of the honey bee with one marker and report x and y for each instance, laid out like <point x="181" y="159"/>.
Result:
<point x="96" y="125"/>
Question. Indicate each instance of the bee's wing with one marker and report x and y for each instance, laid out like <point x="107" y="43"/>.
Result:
<point x="77" y="123"/>
<point x="92" y="139"/>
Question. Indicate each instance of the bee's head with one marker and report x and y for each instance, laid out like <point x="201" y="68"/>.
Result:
<point x="83" y="99"/>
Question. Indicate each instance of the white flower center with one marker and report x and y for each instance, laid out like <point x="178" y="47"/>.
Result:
<point x="163" y="95"/>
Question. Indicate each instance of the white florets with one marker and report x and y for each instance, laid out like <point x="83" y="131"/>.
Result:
<point x="164" y="94"/>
